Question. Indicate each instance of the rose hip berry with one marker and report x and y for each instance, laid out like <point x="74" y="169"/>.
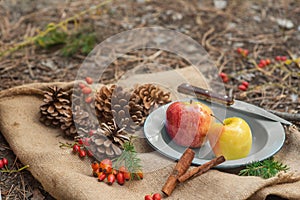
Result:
<point x="106" y="166"/>
<point x="242" y="87"/>
<point x="156" y="196"/>
<point x="120" y="178"/>
<point x="95" y="165"/>
<point x="90" y="153"/>
<point x="148" y="197"/>
<point x="127" y="176"/>
<point x="5" y="161"/>
<point x="1" y="164"/>
<point x="140" y="175"/>
<point x="283" y="58"/>
<point x="245" y="52"/>
<point x="89" y="80"/>
<point x="106" y="162"/>
<point x="76" y="148"/>
<point x="122" y="169"/>
<point x="263" y="62"/>
<point x="86" y="141"/>
<point x="101" y="176"/>
<point x="81" y="85"/>
<point x="82" y="153"/>
<point x="245" y="83"/>
<point x="224" y="77"/>
<point x="278" y="58"/>
<point x="87" y="90"/>
<point x="239" y="50"/>
<point x="88" y="99"/>
<point x="91" y="132"/>
<point x="111" y="179"/>
<point x="80" y="141"/>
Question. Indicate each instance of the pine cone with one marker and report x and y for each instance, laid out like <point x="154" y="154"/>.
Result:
<point x="103" y="103"/>
<point x="67" y="123"/>
<point x="56" y="105"/>
<point x="126" y="114"/>
<point x="114" y="104"/>
<point x="150" y="96"/>
<point x="79" y="126"/>
<point x="108" y="141"/>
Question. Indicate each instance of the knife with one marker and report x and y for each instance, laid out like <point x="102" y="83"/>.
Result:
<point x="241" y="106"/>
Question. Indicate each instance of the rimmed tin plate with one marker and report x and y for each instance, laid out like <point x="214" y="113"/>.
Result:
<point x="267" y="138"/>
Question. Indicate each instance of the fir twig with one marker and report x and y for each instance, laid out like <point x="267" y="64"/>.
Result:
<point x="129" y="159"/>
<point x="265" y="169"/>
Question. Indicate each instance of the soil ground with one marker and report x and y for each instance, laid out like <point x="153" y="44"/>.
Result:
<point x="267" y="29"/>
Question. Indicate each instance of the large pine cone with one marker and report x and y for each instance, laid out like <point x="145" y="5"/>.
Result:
<point x="150" y="96"/>
<point x="56" y="105"/>
<point x="114" y="103"/>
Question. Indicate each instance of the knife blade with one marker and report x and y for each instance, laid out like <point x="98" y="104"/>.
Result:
<point x="241" y="106"/>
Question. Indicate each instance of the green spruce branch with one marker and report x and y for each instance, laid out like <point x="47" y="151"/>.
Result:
<point x="265" y="169"/>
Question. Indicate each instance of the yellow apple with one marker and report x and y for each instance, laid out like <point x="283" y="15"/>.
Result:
<point x="232" y="139"/>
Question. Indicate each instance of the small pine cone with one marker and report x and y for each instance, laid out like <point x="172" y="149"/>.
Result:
<point x="56" y="103"/>
<point x="67" y="124"/>
<point x="108" y="141"/>
<point x="150" y="96"/>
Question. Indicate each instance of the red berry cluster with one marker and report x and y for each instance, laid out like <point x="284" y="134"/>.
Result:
<point x="264" y="62"/>
<point x="86" y="89"/>
<point x="3" y="163"/>
<point x="104" y="170"/>
<point x="80" y="147"/>
<point x="243" y="86"/>
<point x="243" y="52"/>
<point x="155" y="196"/>
<point x="281" y="58"/>
<point x="224" y="77"/>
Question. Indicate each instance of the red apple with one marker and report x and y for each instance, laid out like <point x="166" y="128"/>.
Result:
<point x="187" y="123"/>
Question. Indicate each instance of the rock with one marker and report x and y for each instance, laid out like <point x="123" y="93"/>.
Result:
<point x="285" y="23"/>
<point x="257" y="18"/>
<point x="220" y="4"/>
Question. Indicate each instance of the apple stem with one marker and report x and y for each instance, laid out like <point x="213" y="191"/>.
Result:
<point x="217" y="119"/>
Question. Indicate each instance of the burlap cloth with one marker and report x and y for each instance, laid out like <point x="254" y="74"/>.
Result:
<point x="65" y="176"/>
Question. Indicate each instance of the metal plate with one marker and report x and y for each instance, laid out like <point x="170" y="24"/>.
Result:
<point x="267" y="138"/>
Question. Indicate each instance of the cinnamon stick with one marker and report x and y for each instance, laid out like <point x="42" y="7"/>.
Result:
<point x="201" y="169"/>
<point x="180" y="168"/>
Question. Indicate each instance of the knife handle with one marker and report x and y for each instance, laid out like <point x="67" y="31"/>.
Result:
<point x="204" y="94"/>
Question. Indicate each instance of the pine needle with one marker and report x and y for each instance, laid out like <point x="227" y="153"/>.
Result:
<point x="265" y="169"/>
